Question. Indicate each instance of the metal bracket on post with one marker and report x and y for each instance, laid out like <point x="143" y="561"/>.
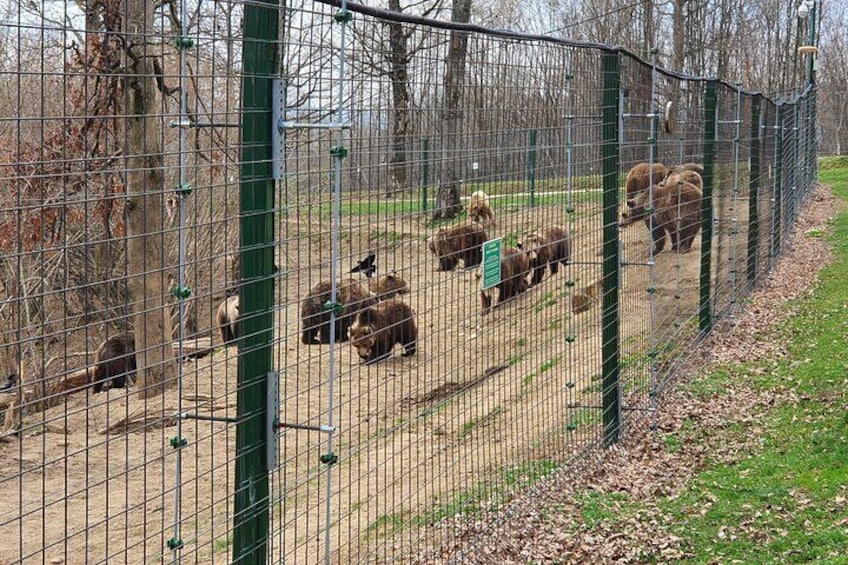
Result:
<point x="272" y="420"/>
<point x="278" y="136"/>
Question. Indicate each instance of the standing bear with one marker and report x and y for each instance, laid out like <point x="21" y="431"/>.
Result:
<point x="514" y="268"/>
<point x="227" y="319"/>
<point x="479" y="209"/>
<point x="677" y="211"/>
<point x="686" y="175"/>
<point x="353" y="297"/>
<point x="547" y="247"/>
<point x="379" y="328"/>
<point x="115" y="362"/>
<point x="463" y="242"/>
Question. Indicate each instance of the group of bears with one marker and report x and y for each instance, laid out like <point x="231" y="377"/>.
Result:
<point x="374" y="320"/>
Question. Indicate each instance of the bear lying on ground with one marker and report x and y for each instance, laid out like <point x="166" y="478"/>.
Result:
<point x="677" y="211"/>
<point x="548" y="246"/>
<point x="479" y="209"/>
<point x="463" y="242"/>
<point x="227" y="318"/>
<point x="115" y="362"/>
<point x="378" y="328"/>
<point x="514" y="268"/>
<point x="353" y="296"/>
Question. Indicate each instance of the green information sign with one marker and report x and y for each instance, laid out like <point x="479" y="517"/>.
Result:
<point x="491" y="263"/>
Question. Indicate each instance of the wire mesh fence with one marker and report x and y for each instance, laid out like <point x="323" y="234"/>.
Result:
<point x="322" y="283"/>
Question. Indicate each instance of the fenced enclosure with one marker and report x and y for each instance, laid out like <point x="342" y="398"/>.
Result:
<point x="195" y="196"/>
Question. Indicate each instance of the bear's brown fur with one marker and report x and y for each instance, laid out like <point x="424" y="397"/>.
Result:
<point x="686" y="175"/>
<point x="387" y="286"/>
<point x="463" y="242"/>
<point x="115" y="362"/>
<point x="514" y="268"/>
<point x="227" y="319"/>
<point x="639" y="178"/>
<point x="548" y="246"/>
<point x="588" y="295"/>
<point x="315" y="317"/>
<point x="378" y="328"/>
<point x="697" y="167"/>
<point x="677" y="212"/>
<point x="479" y="209"/>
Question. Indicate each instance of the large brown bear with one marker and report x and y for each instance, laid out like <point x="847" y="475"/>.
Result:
<point x="697" y="167"/>
<point x="677" y="211"/>
<point x="548" y="246"/>
<point x="353" y="296"/>
<point x="514" y="268"/>
<point x="227" y="319"/>
<point x="378" y="328"/>
<point x="479" y="209"/>
<point x="463" y="242"/>
<point x="115" y="362"/>
<point x="640" y="176"/>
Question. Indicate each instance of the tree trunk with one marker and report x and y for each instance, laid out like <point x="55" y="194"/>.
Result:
<point x="399" y="74"/>
<point x="447" y="199"/>
<point x="145" y="208"/>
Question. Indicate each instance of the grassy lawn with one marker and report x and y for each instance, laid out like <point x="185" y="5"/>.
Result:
<point x="783" y="497"/>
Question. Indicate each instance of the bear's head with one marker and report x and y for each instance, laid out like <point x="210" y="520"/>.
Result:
<point x="530" y="244"/>
<point x="363" y="332"/>
<point x="389" y="285"/>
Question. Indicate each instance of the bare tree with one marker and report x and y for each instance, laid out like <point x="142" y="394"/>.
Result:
<point x="447" y="199"/>
<point x="145" y="209"/>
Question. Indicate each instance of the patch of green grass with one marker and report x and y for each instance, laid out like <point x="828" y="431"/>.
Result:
<point x="521" y="342"/>
<point x="555" y="324"/>
<point x="546" y="300"/>
<point x="222" y="545"/>
<point x="515" y="358"/>
<point x="387" y="525"/>
<point x="528" y="378"/>
<point x="596" y="507"/>
<point x="549" y="364"/>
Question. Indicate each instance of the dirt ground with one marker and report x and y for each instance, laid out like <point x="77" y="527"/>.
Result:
<point x="484" y="399"/>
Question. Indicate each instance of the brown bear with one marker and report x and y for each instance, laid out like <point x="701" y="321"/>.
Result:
<point x="462" y="242"/>
<point x="315" y="313"/>
<point x="548" y="246"/>
<point x="588" y="295"/>
<point x="115" y="362"/>
<point x="677" y="211"/>
<point x="514" y="268"/>
<point x="696" y="167"/>
<point x="227" y="319"/>
<point x="640" y="176"/>
<point x="388" y="286"/>
<point x="479" y="209"/>
<point x="378" y="328"/>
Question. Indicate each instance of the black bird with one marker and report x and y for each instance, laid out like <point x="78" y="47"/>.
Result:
<point x="367" y="266"/>
<point x="10" y="383"/>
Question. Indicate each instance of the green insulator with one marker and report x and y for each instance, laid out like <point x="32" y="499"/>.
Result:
<point x="651" y="290"/>
<point x="182" y="292"/>
<point x="184" y="189"/>
<point x="569" y="209"/>
<point x="335" y="307"/>
<point x="570" y="338"/>
<point x="338" y="151"/>
<point x="329" y="458"/>
<point x="184" y="43"/>
<point x="343" y="16"/>
<point x="178" y="442"/>
<point x="569" y="283"/>
<point x="175" y="543"/>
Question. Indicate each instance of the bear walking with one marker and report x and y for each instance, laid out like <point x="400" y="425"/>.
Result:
<point x="677" y="212"/>
<point x="514" y="268"/>
<point x="115" y="362"/>
<point x="463" y="242"/>
<point x="547" y="247"/>
<point x="377" y="329"/>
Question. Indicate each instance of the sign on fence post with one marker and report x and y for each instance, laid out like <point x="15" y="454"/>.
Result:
<point x="491" y="263"/>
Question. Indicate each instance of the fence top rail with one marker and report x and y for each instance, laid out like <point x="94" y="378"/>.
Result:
<point x="509" y="34"/>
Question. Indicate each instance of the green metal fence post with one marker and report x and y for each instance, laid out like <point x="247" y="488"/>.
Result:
<point x="611" y="67"/>
<point x="710" y="106"/>
<point x="259" y="56"/>
<point x="531" y="168"/>
<point x="754" y="191"/>
<point x="778" y="186"/>
<point x="425" y="171"/>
